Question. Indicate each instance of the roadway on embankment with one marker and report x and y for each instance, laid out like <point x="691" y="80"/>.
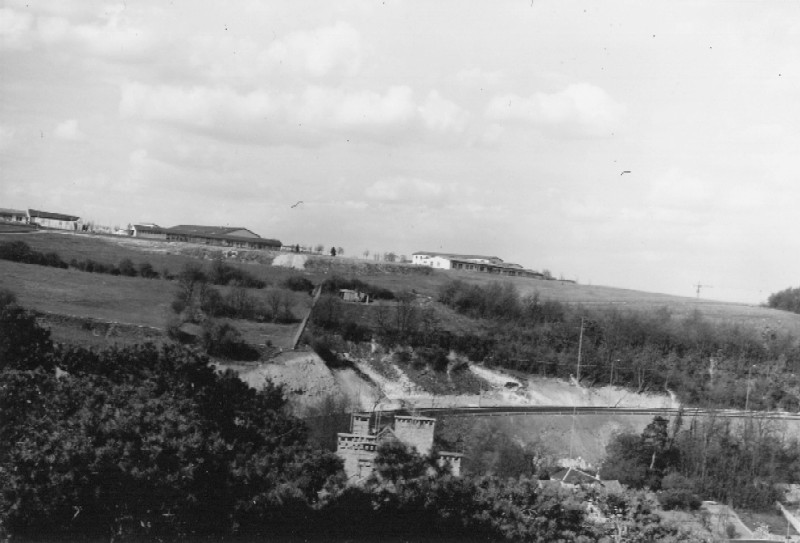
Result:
<point x="498" y="411"/>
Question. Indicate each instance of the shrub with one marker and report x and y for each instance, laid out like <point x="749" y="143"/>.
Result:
<point x="127" y="268"/>
<point x="225" y="341"/>
<point x="298" y="283"/>
<point x="147" y="271"/>
<point x="7" y="298"/>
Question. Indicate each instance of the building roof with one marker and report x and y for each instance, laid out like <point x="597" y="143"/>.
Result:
<point x="6" y="211"/>
<point x="221" y="233"/>
<point x="457" y="256"/>
<point x="150" y="227"/>
<point x="208" y="230"/>
<point x="53" y="216"/>
<point x="572" y="476"/>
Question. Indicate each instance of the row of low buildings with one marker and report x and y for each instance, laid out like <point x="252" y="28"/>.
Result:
<point x="242" y="238"/>
<point x="477" y="263"/>
<point x="43" y="219"/>
<point x="225" y="236"/>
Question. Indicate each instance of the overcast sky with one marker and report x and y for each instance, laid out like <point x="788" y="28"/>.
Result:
<point x="491" y="127"/>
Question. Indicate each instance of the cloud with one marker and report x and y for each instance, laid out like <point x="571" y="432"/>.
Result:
<point x="318" y="52"/>
<point x="580" y="109"/>
<point x="442" y="115"/>
<point x="15" y="29"/>
<point x="404" y="190"/>
<point x="108" y="35"/>
<point x="314" y="115"/>
<point x="198" y="106"/>
<point x="68" y="130"/>
<point x="334" y="107"/>
<point x="476" y="77"/>
<point x="6" y="136"/>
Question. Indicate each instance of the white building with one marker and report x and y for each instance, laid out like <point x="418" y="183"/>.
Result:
<point x="13" y="215"/>
<point x="59" y="221"/>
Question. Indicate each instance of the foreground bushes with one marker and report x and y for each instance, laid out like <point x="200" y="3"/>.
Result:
<point x="19" y="251"/>
<point x="151" y="444"/>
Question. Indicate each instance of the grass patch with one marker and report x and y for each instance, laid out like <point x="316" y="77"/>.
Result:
<point x="105" y="297"/>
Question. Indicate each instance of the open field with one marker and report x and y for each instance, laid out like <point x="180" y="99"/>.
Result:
<point x="130" y="300"/>
<point x="397" y="277"/>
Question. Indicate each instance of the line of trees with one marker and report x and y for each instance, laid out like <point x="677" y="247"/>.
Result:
<point x="786" y="300"/>
<point x="734" y="462"/>
<point x="703" y="362"/>
<point x="19" y="251"/>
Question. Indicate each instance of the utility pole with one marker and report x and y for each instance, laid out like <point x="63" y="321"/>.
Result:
<point x="747" y="395"/>
<point x="580" y="348"/>
<point x="699" y="286"/>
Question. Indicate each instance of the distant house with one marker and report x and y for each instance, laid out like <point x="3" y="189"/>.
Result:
<point x="13" y="215"/>
<point x="573" y="477"/>
<point x="477" y="263"/>
<point x="358" y="448"/>
<point x="225" y="236"/>
<point x="148" y="231"/>
<point x="59" y="221"/>
<point x="357" y="296"/>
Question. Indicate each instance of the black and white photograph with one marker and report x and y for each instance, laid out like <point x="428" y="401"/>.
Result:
<point x="399" y="271"/>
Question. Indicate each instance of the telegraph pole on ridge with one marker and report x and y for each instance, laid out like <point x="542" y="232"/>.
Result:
<point x="580" y="348"/>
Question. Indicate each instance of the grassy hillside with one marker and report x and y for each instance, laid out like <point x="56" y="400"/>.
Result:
<point x="146" y="302"/>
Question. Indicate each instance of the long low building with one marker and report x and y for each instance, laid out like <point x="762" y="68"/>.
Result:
<point x="224" y="236"/>
<point x="59" y="221"/>
<point x="477" y="263"/>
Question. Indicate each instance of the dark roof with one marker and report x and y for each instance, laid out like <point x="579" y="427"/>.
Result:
<point x="189" y="231"/>
<point x="148" y="227"/>
<point x="207" y="230"/>
<point x="54" y="216"/>
<point x="5" y="211"/>
<point x="574" y="476"/>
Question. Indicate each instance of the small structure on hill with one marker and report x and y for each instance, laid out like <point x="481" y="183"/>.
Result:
<point x="359" y="447"/>
<point x="148" y="231"/>
<point x="355" y="296"/>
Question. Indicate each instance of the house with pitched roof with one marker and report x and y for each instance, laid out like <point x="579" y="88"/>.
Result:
<point x="13" y="215"/>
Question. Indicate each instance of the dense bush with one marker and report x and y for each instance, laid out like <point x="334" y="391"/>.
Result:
<point x="715" y="459"/>
<point x="298" y="283"/>
<point x="146" y="441"/>
<point x="225" y="274"/>
<point x="645" y="350"/>
<point x="222" y="340"/>
<point x="19" y="251"/>
<point x="787" y="300"/>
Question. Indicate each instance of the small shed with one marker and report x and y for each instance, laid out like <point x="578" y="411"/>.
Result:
<point x="355" y="296"/>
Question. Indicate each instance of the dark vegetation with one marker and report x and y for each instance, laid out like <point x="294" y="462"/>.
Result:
<point x="787" y="300"/>
<point x="19" y="251"/>
<point x="702" y="362"/>
<point x="154" y="444"/>
<point x="737" y="463"/>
